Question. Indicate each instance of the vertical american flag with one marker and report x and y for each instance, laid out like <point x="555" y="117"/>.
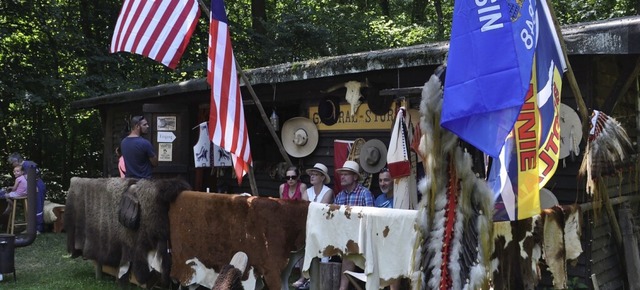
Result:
<point x="227" y="126"/>
<point x="158" y="29"/>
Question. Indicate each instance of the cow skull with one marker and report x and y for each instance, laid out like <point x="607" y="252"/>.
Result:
<point x="353" y="96"/>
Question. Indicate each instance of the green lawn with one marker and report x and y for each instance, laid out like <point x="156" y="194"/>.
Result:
<point x="45" y="264"/>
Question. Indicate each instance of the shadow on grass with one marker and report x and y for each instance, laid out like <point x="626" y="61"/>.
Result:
<point x="45" y="264"/>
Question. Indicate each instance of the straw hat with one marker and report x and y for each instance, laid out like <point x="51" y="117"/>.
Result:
<point x="547" y="199"/>
<point x="350" y="166"/>
<point x="320" y="168"/>
<point x="373" y="156"/>
<point x="299" y="136"/>
<point x="570" y="131"/>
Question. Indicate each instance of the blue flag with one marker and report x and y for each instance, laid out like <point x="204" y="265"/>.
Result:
<point x="488" y="70"/>
<point x="530" y="154"/>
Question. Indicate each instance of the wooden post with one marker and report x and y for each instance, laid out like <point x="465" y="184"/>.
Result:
<point x="582" y="107"/>
<point x="630" y="247"/>
<point x="264" y="116"/>
<point x="330" y="274"/>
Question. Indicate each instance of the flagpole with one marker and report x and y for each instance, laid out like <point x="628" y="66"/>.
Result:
<point x="265" y="119"/>
<point x="582" y="107"/>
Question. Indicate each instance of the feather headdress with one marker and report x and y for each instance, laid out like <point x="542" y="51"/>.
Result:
<point x="607" y="146"/>
<point x="454" y="216"/>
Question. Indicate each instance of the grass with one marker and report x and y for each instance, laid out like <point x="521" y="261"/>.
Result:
<point x="45" y="264"/>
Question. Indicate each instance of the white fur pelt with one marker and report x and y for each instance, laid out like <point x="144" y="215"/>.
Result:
<point x="448" y="167"/>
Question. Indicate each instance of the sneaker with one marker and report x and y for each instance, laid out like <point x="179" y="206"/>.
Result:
<point x="298" y="284"/>
<point x="305" y="285"/>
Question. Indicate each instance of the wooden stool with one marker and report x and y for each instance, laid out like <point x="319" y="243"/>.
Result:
<point x="58" y="225"/>
<point x="12" y="217"/>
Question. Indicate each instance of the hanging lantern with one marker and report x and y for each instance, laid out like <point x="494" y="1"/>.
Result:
<point x="275" y="121"/>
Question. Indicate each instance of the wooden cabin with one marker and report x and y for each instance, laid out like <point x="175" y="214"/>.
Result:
<point x="604" y="55"/>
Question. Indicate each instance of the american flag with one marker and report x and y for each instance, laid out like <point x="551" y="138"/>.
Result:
<point x="227" y="125"/>
<point x="158" y="29"/>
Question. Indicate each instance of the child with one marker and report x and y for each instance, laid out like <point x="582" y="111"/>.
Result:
<point x="19" y="189"/>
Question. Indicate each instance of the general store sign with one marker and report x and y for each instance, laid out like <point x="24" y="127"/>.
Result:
<point x="363" y="119"/>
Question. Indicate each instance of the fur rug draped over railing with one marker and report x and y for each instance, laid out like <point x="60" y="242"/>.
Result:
<point x="93" y="230"/>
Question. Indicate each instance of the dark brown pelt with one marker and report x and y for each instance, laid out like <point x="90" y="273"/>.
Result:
<point x="230" y="278"/>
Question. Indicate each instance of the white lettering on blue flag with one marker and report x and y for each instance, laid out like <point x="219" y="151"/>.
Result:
<point x="488" y="69"/>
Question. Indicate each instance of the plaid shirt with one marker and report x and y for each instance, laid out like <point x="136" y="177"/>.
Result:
<point x="360" y="196"/>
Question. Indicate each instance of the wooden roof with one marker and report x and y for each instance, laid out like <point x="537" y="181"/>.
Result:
<point x="614" y="36"/>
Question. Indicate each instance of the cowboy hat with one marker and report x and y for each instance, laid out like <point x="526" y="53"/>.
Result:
<point x="350" y="166"/>
<point x="321" y="168"/>
<point x="378" y="104"/>
<point x="329" y="110"/>
<point x="299" y="136"/>
<point x="373" y="156"/>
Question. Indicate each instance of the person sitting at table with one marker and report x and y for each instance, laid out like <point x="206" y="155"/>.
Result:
<point x="319" y="191"/>
<point x="292" y="188"/>
<point x="19" y="188"/>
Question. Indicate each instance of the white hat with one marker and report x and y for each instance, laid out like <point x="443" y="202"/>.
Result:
<point x="299" y="136"/>
<point x="373" y="156"/>
<point x="350" y="166"/>
<point x="319" y="167"/>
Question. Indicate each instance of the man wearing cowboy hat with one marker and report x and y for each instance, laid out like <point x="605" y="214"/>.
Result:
<point x="352" y="194"/>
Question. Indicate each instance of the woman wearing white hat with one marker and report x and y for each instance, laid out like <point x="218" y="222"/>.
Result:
<point x="319" y="192"/>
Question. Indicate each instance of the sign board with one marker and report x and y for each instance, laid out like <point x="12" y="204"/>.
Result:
<point x="166" y="137"/>
<point x="363" y="119"/>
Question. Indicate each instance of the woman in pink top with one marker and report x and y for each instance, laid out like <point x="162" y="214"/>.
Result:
<point x="292" y="188"/>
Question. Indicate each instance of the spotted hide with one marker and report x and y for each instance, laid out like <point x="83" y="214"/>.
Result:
<point x="553" y="236"/>
<point x="93" y="230"/>
<point x="379" y="240"/>
<point x="213" y="227"/>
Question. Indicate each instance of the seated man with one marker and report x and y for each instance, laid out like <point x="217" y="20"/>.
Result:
<point x="385" y="199"/>
<point x="352" y="194"/>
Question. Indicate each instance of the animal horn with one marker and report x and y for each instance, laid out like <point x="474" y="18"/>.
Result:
<point x="334" y="87"/>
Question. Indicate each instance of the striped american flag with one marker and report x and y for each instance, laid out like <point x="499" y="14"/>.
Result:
<point x="227" y="125"/>
<point x="158" y="29"/>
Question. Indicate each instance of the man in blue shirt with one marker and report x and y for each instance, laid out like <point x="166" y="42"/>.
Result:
<point x="139" y="155"/>
<point x="385" y="199"/>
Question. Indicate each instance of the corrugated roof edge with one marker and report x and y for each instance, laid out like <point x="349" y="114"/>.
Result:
<point x="613" y="36"/>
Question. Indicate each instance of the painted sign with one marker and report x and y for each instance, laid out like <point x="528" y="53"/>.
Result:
<point x="363" y="119"/>
<point x="166" y="137"/>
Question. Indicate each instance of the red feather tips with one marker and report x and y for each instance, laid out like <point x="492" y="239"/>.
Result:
<point x="608" y="145"/>
<point x="450" y="221"/>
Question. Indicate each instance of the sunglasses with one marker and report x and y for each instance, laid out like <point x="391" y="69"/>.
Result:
<point x="291" y="177"/>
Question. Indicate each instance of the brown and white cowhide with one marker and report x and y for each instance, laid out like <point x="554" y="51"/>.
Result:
<point x="213" y="227"/>
<point x="93" y="230"/>
<point x="553" y="236"/>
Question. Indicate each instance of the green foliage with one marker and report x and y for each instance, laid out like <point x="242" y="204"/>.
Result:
<point x="55" y="52"/>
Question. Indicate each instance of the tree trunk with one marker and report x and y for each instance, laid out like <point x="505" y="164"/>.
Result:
<point x="384" y="5"/>
<point x="418" y="11"/>
<point x="258" y="16"/>
<point x="437" y="4"/>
